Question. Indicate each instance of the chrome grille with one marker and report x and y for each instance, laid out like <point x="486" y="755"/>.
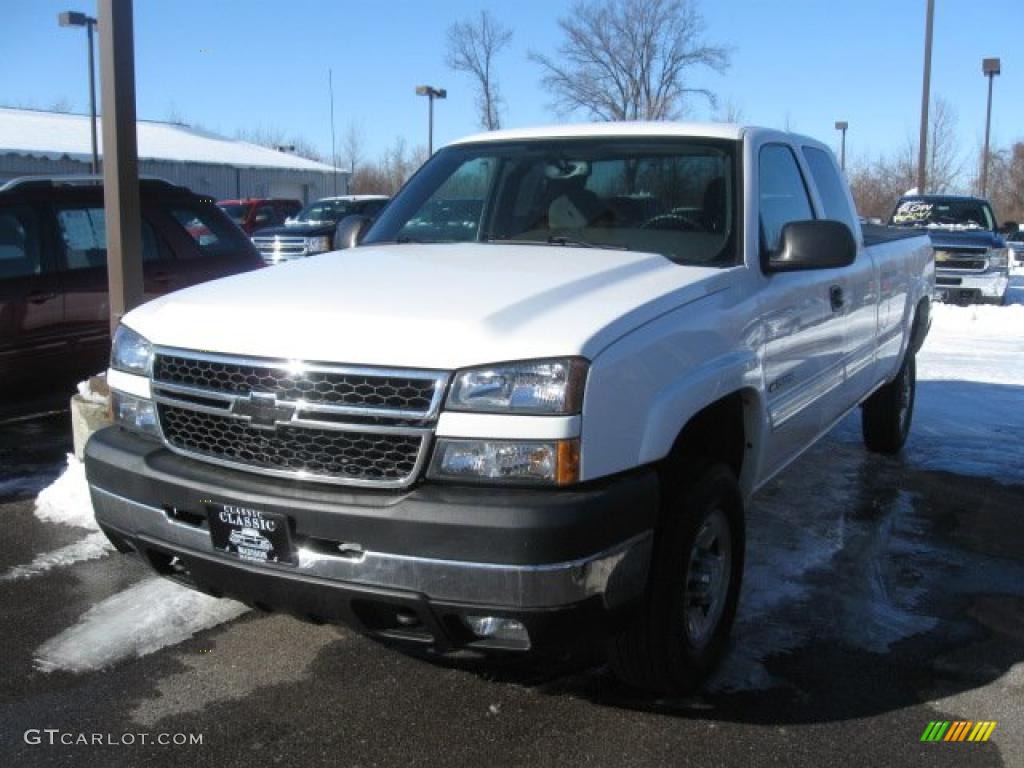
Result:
<point x="964" y="261"/>
<point x="280" y="247"/>
<point x="329" y="387"/>
<point x="321" y="422"/>
<point x="316" y="453"/>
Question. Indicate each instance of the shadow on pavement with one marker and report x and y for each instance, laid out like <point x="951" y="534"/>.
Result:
<point x="872" y="584"/>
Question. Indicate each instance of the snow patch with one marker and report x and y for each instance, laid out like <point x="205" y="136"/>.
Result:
<point x="66" y="500"/>
<point x="144" y="618"/>
<point x="91" y="395"/>
<point x="92" y="547"/>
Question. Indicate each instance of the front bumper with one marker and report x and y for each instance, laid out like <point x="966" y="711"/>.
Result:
<point x="953" y="285"/>
<point x="411" y="565"/>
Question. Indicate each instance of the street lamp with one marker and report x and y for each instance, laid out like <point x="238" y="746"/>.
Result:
<point x="842" y="125"/>
<point x="431" y="93"/>
<point x="990" y="68"/>
<point x="77" y="19"/>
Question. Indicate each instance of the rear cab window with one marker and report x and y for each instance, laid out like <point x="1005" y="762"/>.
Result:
<point x="830" y="187"/>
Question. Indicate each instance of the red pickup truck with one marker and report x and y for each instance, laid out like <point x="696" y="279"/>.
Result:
<point x="254" y="213"/>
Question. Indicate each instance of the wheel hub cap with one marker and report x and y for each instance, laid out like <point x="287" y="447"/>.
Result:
<point x="707" y="578"/>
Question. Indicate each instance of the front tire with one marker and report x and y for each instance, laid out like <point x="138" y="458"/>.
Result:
<point x="888" y="413"/>
<point x="681" y="631"/>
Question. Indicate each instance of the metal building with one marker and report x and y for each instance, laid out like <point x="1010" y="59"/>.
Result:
<point x="36" y="142"/>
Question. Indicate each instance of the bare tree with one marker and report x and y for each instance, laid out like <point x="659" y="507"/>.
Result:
<point x="945" y="162"/>
<point x="729" y="112"/>
<point x="877" y="185"/>
<point x="1006" y="182"/>
<point x="472" y="46"/>
<point x="629" y="59"/>
<point x="352" y="145"/>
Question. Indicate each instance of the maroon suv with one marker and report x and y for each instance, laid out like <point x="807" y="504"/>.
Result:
<point x="54" y="308"/>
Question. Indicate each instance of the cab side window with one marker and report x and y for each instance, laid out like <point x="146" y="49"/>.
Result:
<point x="783" y="194"/>
<point x="830" y="186"/>
<point x="20" y="254"/>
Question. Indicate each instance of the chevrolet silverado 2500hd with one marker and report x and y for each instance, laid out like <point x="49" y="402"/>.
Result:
<point x="972" y="261"/>
<point x="529" y="416"/>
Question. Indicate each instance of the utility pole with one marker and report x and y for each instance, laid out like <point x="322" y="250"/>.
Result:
<point x="120" y="158"/>
<point x="922" y="157"/>
<point x="842" y="125"/>
<point x="334" y="151"/>
<point x="990" y="68"/>
<point x="431" y="93"/>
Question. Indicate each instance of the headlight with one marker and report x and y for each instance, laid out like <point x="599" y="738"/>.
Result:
<point x="535" y="387"/>
<point x="999" y="258"/>
<point x="318" y="244"/>
<point x="548" y="462"/>
<point x="134" y="413"/>
<point x="131" y="352"/>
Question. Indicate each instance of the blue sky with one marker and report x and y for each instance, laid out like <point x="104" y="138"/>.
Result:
<point x="252" y="64"/>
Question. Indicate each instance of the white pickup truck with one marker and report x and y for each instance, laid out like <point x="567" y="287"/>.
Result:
<point x="530" y="407"/>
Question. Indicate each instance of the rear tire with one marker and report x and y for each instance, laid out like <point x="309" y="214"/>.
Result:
<point x="682" y="629"/>
<point x="888" y="413"/>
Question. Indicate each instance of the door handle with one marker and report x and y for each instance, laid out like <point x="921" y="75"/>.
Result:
<point x="836" y="298"/>
<point x="38" y="297"/>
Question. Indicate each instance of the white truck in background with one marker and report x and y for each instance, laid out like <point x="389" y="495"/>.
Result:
<point x="532" y="404"/>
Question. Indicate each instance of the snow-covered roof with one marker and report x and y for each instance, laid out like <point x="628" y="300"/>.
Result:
<point x="55" y="135"/>
<point x="610" y="130"/>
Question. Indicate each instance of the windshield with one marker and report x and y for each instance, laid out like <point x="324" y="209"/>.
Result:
<point x="923" y="212"/>
<point x="326" y="210"/>
<point x="673" y="197"/>
<point x="235" y="212"/>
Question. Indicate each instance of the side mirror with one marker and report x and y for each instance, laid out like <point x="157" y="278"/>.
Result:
<point x="819" y="244"/>
<point x="350" y="231"/>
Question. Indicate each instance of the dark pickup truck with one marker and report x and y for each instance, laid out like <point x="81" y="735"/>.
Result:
<point x="972" y="262"/>
<point x="312" y="230"/>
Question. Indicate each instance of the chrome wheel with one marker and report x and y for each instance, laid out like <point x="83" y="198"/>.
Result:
<point x="707" y="578"/>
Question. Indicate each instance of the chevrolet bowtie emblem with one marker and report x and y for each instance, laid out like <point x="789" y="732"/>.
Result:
<point x="262" y="410"/>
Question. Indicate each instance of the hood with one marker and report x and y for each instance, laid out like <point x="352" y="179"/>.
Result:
<point x="297" y="230"/>
<point x="440" y="306"/>
<point x="964" y="238"/>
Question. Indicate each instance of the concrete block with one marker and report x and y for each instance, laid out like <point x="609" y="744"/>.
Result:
<point x="90" y="411"/>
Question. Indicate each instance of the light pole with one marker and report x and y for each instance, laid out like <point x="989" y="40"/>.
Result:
<point x="77" y="19"/>
<point x="922" y="156"/>
<point x="842" y="125"/>
<point x="431" y="93"/>
<point x="990" y="68"/>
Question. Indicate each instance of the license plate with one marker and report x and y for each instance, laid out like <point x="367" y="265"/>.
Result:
<point x="250" y="534"/>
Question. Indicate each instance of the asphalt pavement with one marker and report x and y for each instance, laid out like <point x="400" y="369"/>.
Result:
<point x="881" y="596"/>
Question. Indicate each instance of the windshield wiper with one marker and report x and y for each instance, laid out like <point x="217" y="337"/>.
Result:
<point x="559" y="240"/>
